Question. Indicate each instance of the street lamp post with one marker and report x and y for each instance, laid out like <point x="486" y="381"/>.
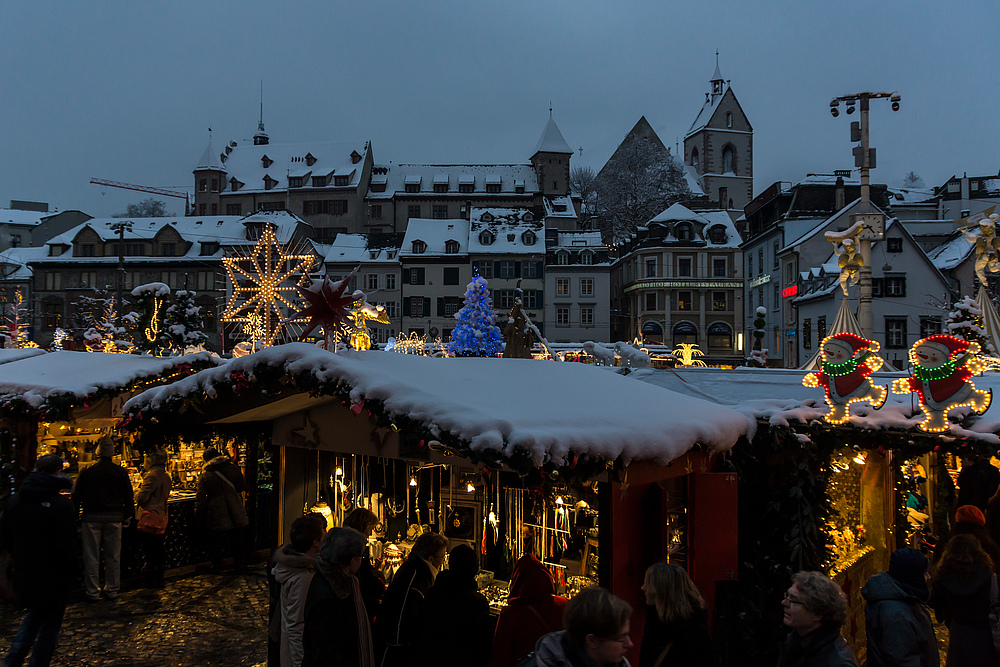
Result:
<point x="120" y="228"/>
<point x="868" y="226"/>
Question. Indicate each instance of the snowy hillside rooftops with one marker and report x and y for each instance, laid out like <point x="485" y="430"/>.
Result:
<point x="426" y="237"/>
<point x="546" y="411"/>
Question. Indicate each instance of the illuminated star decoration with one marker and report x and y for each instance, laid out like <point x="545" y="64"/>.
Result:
<point x="328" y="306"/>
<point x="264" y="281"/>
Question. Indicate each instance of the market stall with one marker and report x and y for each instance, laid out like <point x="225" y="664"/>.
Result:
<point x="590" y="462"/>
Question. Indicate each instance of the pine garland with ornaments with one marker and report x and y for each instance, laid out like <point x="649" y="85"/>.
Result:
<point x="476" y="334"/>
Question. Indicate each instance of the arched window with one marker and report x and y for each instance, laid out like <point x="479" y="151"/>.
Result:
<point x="682" y="231"/>
<point x="728" y="160"/>
<point x="486" y="237"/>
<point x="694" y="157"/>
<point x="685" y="332"/>
<point x="720" y="334"/>
<point x="717" y="234"/>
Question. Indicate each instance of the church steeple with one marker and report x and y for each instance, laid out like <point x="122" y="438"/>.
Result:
<point x="551" y="161"/>
<point x="718" y="83"/>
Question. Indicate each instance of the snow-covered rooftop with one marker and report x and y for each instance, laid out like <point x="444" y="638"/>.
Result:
<point x="332" y="158"/>
<point x="679" y="212"/>
<point x="435" y="233"/>
<point x="15" y="261"/>
<point x="559" y="207"/>
<point x="550" y="410"/>
<point x="16" y="216"/>
<point x="17" y="354"/>
<point x="509" y="231"/>
<point x="951" y="253"/>
<point x="693" y="180"/>
<point x="510" y="177"/>
<point x="353" y="248"/>
<point x="552" y="140"/>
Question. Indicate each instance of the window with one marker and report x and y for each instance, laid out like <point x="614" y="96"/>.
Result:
<point x="493" y="188"/>
<point x="531" y="269"/>
<point x="760" y="296"/>
<point x="684" y="267"/>
<point x="776" y="304"/>
<point x="694" y="157"/>
<point x="440" y="211"/>
<point x="324" y="206"/>
<point x="820" y="329"/>
<point x="215" y="209"/>
<point x="53" y="281"/>
<point x="777" y="249"/>
<point x="718" y="234"/>
<point x="413" y="211"/>
<point x="529" y="238"/>
<point x="807" y="342"/>
<point x="685" y="300"/>
<point x="685" y="332"/>
<point x="719" y="267"/>
<point x="419" y="247"/>
<point x="729" y="119"/>
<point x="272" y="206"/>
<point x="414" y="276"/>
<point x="451" y="305"/>
<point x="371" y="281"/>
<point x="586" y="257"/>
<point x="586" y="287"/>
<point x="412" y="187"/>
<point x="451" y="275"/>
<point x="728" y="160"/>
<point x="319" y="181"/>
<point x="203" y="185"/>
<point x="719" y="301"/>
<point x="682" y="231"/>
<point x="586" y="316"/>
<point x="651" y="300"/>
<point x="53" y="315"/>
<point x="440" y="187"/>
<point x="749" y="264"/>
<point x="894" y="245"/>
<point x="723" y="196"/>
<point x="562" y="317"/>
<point x="88" y="279"/>
<point x="205" y="280"/>
<point x="202" y="209"/>
<point x="208" y="316"/>
<point x="531" y="298"/>
<point x="929" y="326"/>
<point x="506" y="269"/>
<point x="895" y="286"/>
<point x="169" y="278"/>
<point x="895" y="332"/>
<point x="417" y="307"/>
<point x="390" y="308"/>
<point x="878" y="287"/>
<point x="650" y="268"/>
<point x="451" y="247"/>
<point x="234" y="209"/>
<point x="15" y="240"/>
<point x="562" y="258"/>
<point x="485" y="269"/>
<point x="720" y="334"/>
<point x="562" y="286"/>
<point x="504" y="298"/>
<point x="466" y="187"/>
<point x="341" y="181"/>
<point x="132" y="279"/>
<point x="760" y="260"/>
<point x="295" y="181"/>
<point x="168" y="249"/>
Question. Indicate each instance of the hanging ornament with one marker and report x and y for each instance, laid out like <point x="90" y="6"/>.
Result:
<point x="942" y="366"/>
<point x="328" y="306"/>
<point x="846" y="361"/>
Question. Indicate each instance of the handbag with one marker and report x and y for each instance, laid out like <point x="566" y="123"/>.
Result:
<point x="994" y="614"/>
<point x="152" y="523"/>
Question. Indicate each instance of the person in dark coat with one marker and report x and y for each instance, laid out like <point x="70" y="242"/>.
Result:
<point x="970" y="521"/>
<point x="371" y="579"/>
<point x="596" y="635"/>
<point x="38" y="529"/>
<point x="219" y="506"/>
<point x="456" y="629"/>
<point x="977" y="482"/>
<point x="397" y="628"/>
<point x="676" y="632"/>
<point x="960" y="596"/>
<point x="815" y="610"/>
<point x="336" y="632"/>
<point x="898" y="626"/>
<point x="104" y="494"/>
<point x="533" y="610"/>
<point x="152" y="497"/>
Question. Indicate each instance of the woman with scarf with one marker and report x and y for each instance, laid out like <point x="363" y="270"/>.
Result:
<point x="676" y="631"/>
<point x="336" y="629"/>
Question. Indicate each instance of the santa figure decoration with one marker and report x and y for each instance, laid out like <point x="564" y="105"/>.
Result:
<point x="942" y="366"/>
<point x="846" y="361"/>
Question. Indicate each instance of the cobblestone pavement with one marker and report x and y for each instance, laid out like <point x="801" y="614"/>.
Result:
<point x="205" y="619"/>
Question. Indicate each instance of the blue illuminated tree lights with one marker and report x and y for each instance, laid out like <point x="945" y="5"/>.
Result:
<point x="476" y="333"/>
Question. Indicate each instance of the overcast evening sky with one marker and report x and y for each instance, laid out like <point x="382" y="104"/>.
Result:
<point x="127" y="90"/>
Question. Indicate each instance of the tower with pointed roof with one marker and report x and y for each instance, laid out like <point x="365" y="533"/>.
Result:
<point x="551" y="161"/>
<point x="209" y="180"/>
<point x="718" y="149"/>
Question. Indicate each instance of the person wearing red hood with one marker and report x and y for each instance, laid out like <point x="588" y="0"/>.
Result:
<point x="533" y="609"/>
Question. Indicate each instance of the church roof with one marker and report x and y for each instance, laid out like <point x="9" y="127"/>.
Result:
<point x="552" y="140"/>
<point x="210" y="159"/>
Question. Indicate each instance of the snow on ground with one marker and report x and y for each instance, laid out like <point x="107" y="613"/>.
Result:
<point x="81" y="373"/>
<point x="550" y="410"/>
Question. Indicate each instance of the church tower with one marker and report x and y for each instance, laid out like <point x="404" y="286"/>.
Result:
<point x="718" y="148"/>
<point x="209" y="181"/>
<point x="551" y="161"/>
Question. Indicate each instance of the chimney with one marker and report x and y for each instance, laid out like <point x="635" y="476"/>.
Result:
<point x="840" y="197"/>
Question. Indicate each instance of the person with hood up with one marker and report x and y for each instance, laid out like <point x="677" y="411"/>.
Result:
<point x="104" y="493"/>
<point x="372" y="582"/>
<point x="815" y="610"/>
<point x="456" y="628"/>
<point x="596" y="634"/>
<point x="38" y="529"/>
<point x="336" y="631"/>
<point x="898" y="626"/>
<point x="152" y="497"/>
<point x="676" y="632"/>
<point x="960" y="597"/>
<point x="533" y="609"/>
<point x="293" y="571"/>
<point x="970" y="521"/>
<point x="219" y="506"/>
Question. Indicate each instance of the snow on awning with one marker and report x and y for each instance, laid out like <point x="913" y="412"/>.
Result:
<point x="550" y="411"/>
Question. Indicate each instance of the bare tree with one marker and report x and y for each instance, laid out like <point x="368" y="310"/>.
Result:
<point x="147" y="208"/>
<point x="913" y="180"/>
<point x="639" y="181"/>
<point x="582" y="181"/>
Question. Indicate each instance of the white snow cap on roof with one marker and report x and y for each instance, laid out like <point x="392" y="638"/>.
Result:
<point x="20" y="217"/>
<point x="210" y="159"/>
<point x="552" y="140"/>
<point x="435" y="233"/>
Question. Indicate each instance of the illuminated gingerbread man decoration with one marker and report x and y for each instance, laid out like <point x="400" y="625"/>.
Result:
<point x="846" y="361"/>
<point x="942" y="366"/>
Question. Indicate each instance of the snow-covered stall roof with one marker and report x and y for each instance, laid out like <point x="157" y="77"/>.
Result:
<point x="16" y="354"/>
<point x="80" y="375"/>
<point x="552" y="411"/>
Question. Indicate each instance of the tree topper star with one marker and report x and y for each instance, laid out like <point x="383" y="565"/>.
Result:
<point x="328" y="306"/>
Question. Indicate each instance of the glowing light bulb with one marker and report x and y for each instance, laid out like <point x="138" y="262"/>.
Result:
<point x="470" y="488"/>
<point x="860" y="458"/>
<point x="559" y="500"/>
<point x="339" y="472"/>
<point x="413" y="481"/>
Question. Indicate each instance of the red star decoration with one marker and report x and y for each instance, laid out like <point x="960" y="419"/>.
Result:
<point x="328" y="307"/>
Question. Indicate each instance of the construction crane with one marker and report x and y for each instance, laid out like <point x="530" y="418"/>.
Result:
<point x="145" y="188"/>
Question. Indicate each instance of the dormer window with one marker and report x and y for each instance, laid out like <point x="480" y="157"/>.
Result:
<point x="269" y="182"/>
<point x="527" y="217"/>
<point x="717" y="234"/>
<point x="486" y="237"/>
<point x="518" y="186"/>
<point x="390" y="254"/>
<point x="234" y="184"/>
<point x="310" y="160"/>
<point x="355" y="157"/>
<point x="295" y="181"/>
<point x="319" y="181"/>
<point x="486" y="217"/>
<point x="586" y="257"/>
<point x="559" y="208"/>
<point x="466" y="183"/>
<point x="373" y="254"/>
<point x="266" y="161"/>
<point x="341" y="181"/>
<point x="419" y="247"/>
<point x="209" y="248"/>
<point x="682" y="231"/>
<point x="441" y="183"/>
<point x="562" y="258"/>
<point x="451" y="247"/>
<point x="528" y="238"/>
<point x="412" y="183"/>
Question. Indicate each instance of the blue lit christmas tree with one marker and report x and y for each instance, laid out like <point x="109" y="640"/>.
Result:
<point x="476" y="334"/>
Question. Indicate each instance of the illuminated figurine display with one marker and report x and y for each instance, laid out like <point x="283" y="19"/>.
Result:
<point x="942" y="366"/>
<point x="847" y="361"/>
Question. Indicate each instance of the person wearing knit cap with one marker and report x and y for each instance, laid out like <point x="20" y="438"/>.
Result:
<point x="897" y="623"/>
<point x="103" y="492"/>
<point x="970" y="521"/>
